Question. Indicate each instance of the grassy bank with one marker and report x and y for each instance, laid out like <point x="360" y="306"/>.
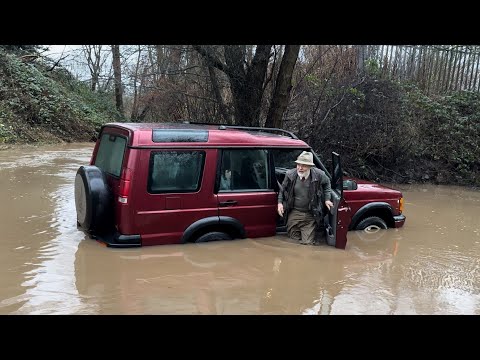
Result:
<point x="38" y="105"/>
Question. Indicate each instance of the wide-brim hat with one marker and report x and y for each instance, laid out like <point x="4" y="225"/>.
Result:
<point x="305" y="158"/>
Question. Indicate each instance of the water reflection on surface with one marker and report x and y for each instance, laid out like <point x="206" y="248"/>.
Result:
<point x="430" y="266"/>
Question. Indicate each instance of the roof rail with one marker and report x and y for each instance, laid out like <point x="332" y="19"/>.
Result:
<point x="251" y="128"/>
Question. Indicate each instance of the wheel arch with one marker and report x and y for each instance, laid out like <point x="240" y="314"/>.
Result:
<point x="226" y="224"/>
<point x="382" y="210"/>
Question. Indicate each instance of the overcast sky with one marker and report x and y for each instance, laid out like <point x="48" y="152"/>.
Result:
<point x="55" y="51"/>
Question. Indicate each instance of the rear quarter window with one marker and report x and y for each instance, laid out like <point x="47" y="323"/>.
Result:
<point x="110" y="154"/>
<point x="175" y="171"/>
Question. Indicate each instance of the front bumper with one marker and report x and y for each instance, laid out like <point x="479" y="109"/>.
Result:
<point x="399" y="220"/>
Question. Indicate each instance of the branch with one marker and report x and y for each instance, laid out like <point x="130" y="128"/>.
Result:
<point x="403" y="176"/>
<point x="212" y="59"/>
<point x="57" y="62"/>
<point x="323" y="89"/>
<point x="334" y="106"/>
<point x="182" y="71"/>
<point x="29" y="57"/>
<point x="309" y="69"/>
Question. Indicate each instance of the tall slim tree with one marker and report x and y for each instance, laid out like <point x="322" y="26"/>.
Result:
<point x="117" y="75"/>
<point x="136" y="89"/>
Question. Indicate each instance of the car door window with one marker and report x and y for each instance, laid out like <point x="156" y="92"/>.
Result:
<point x="244" y="169"/>
<point x="285" y="158"/>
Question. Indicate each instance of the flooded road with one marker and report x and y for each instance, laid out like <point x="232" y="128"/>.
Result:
<point x="47" y="266"/>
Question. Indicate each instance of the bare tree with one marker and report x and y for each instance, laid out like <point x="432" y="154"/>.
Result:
<point x="95" y="62"/>
<point x="246" y="78"/>
<point x="231" y="84"/>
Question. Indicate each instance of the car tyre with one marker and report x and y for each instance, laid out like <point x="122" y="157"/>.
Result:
<point x="92" y="199"/>
<point x="213" y="236"/>
<point x="371" y="224"/>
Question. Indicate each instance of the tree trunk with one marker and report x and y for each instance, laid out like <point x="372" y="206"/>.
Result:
<point x="247" y="85"/>
<point x="361" y="55"/>
<point x="218" y="95"/>
<point x="283" y="86"/>
<point x="134" y="114"/>
<point x="117" y="75"/>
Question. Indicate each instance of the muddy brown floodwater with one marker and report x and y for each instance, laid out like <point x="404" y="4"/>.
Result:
<point x="48" y="266"/>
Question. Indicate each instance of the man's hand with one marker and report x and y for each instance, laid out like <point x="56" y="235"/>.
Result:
<point x="329" y="204"/>
<point x="280" y="209"/>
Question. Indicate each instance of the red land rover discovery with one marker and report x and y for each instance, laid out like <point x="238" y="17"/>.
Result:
<point x="159" y="183"/>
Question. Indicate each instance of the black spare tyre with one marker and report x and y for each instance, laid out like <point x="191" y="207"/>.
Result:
<point x="93" y="199"/>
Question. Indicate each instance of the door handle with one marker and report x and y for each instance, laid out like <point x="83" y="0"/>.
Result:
<point x="228" y="203"/>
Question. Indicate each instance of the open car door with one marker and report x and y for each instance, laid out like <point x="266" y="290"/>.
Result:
<point x="339" y="217"/>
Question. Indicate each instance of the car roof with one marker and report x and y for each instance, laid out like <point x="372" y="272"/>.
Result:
<point x="206" y="135"/>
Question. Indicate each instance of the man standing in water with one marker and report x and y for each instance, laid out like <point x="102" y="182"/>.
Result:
<point x="304" y="190"/>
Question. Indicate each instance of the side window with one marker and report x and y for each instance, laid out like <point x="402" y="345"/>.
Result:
<point x="110" y="154"/>
<point x="175" y="171"/>
<point x="244" y="170"/>
<point x="285" y="158"/>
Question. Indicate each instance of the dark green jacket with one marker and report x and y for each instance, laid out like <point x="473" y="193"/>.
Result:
<point x="319" y="191"/>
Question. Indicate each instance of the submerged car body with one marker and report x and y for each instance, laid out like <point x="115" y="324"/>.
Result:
<point x="160" y="183"/>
